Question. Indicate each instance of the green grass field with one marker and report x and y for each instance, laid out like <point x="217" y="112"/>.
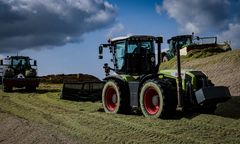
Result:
<point x="85" y="122"/>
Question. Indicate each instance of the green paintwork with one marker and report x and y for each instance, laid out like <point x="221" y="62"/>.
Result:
<point x="194" y="81"/>
<point x="172" y="73"/>
<point x="129" y="78"/>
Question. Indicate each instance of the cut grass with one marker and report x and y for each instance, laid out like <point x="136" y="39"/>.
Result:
<point x="84" y="122"/>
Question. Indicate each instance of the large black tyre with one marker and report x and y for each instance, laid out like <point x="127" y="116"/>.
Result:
<point x="155" y="101"/>
<point x="115" y="98"/>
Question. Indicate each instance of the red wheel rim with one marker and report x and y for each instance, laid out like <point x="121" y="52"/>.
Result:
<point x="109" y="96"/>
<point x="150" y="96"/>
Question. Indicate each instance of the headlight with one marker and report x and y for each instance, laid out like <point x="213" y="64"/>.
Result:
<point x="30" y="73"/>
<point x="9" y="72"/>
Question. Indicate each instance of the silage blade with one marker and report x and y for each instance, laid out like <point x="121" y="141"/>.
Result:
<point x="84" y="91"/>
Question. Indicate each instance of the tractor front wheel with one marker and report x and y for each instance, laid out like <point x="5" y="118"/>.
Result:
<point x="114" y="98"/>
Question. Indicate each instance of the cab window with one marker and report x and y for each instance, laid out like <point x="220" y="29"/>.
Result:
<point x="120" y="54"/>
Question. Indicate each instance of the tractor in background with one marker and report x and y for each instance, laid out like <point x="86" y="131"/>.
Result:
<point x="190" y="43"/>
<point x="18" y="71"/>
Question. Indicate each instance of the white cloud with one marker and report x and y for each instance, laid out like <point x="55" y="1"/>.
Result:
<point x="232" y="35"/>
<point x="191" y="27"/>
<point x="220" y="17"/>
<point x="35" y="24"/>
<point x="197" y="15"/>
<point x="117" y="28"/>
<point x="159" y="9"/>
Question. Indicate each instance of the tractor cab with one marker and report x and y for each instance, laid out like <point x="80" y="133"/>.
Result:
<point x="179" y="41"/>
<point x="188" y="43"/>
<point x="134" y="55"/>
<point x="18" y="71"/>
<point x="19" y="63"/>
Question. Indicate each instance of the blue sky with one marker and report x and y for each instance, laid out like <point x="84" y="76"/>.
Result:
<point x="69" y="44"/>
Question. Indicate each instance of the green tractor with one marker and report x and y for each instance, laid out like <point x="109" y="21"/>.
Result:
<point x="191" y="43"/>
<point x="18" y="71"/>
<point x="137" y="82"/>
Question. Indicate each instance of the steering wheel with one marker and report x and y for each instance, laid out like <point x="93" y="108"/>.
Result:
<point x="141" y="50"/>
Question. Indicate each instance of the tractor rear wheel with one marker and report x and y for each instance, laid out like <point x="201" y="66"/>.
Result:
<point x="153" y="100"/>
<point x="114" y="97"/>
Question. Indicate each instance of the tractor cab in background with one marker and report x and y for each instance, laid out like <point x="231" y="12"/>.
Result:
<point x="191" y="43"/>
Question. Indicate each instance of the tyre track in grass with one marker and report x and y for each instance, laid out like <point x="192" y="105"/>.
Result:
<point x="90" y="122"/>
<point x="212" y="125"/>
<point x="23" y="111"/>
<point x="127" y="128"/>
<point x="98" y="127"/>
<point x="126" y="131"/>
<point x="40" y="101"/>
<point x="16" y="130"/>
<point x="200" y="129"/>
<point x="204" y="132"/>
<point x="59" y="121"/>
<point x="152" y="134"/>
<point x="87" y="118"/>
<point x="49" y="120"/>
<point x="148" y="133"/>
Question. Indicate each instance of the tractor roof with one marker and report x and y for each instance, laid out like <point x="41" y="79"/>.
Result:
<point x="181" y="36"/>
<point x="133" y="37"/>
<point x="19" y="57"/>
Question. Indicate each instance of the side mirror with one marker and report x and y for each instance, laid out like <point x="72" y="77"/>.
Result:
<point x="100" y="51"/>
<point x="35" y="63"/>
<point x="1" y="62"/>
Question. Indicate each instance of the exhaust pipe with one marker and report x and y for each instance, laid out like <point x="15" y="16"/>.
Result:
<point x="159" y="40"/>
<point x="179" y="80"/>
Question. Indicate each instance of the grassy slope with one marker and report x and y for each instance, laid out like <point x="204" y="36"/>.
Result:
<point x="85" y="123"/>
<point x="222" y="69"/>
